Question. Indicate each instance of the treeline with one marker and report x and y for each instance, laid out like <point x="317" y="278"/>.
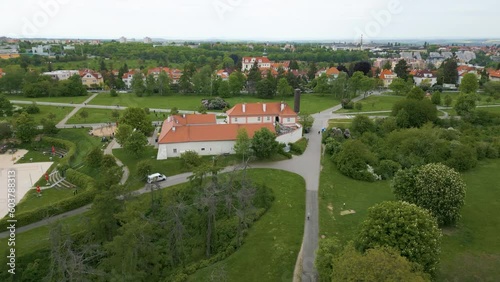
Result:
<point x="34" y="85"/>
<point x="165" y="237"/>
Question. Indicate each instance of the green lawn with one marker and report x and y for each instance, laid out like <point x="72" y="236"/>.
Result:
<point x="38" y="238"/>
<point x="482" y="98"/>
<point x="470" y="252"/>
<point x="342" y="123"/>
<point x="375" y="103"/>
<point x="273" y="242"/>
<point x="75" y="100"/>
<point x="490" y="109"/>
<point x="59" y="111"/>
<point x="310" y="103"/>
<point x="84" y="142"/>
<point x="31" y="201"/>
<point x="105" y="115"/>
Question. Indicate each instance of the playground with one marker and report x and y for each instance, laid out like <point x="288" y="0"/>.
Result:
<point x="26" y="175"/>
<point x="105" y="131"/>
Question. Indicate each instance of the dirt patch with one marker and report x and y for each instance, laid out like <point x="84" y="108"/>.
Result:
<point x="347" y="212"/>
<point x="106" y="131"/>
<point x="330" y="207"/>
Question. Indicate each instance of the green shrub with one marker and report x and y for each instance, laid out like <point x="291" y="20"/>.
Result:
<point x="387" y="168"/>
<point x="79" y="179"/>
<point x="191" y="159"/>
<point x="69" y="146"/>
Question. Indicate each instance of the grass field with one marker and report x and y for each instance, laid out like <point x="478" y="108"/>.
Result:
<point x="38" y="238"/>
<point x="75" y="100"/>
<point x="83" y="141"/>
<point x="310" y="103"/>
<point x="470" y="252"/>
<point x="273" y="242"/>
<point x="105" y="115"/>
<point x="31" y="201"/>
<point x="60" y="113"/>
<point x="375" y="103"/>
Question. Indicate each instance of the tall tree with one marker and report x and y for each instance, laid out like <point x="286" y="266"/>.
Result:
<point x="105" y="207"/>
<point x="313" y="69"/>
<point x="407" y="228"/>
<point x="264" y="143"/>
<point x="236" y="82"/>
<point x="164" y="82"/>
<point x="25" y="127"/>
<point x="469" y="84"/>
<point x="136" y="143"/>
<point x="5" y="107"/>
<point x="402" y="69"/>
<point x="243" y="144"/>
<point x="137" y="84"/>
<point x="364" y="67"/>
<point x="449" y="71"/>
<point x="138" y="119"/>
<point x="387" y="66"/>
<point x="400" y="86"/>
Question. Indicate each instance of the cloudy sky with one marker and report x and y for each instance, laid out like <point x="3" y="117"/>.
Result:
<point x="251" y="19"/>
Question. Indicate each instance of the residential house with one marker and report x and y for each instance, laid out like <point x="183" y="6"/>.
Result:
<point x="387" y="76"/>
<point x="147" y="40"/>
<point x="91" y="78"/>
<point x="262" y="113"/>
<point x="122" y="39"/>
<point x="61" y="74"/>
<point x="465" y="69"/>
<point x="285" y="65"/>
<point x="223" y="75"/>
<point x="201" y="134"/>
<point x="494" y="75"/>
<point x="331" y="73"/>
<point x="425" y="76"/>
<point x="127" y="78"/>
<point x="248" y="62"/>
<point x="1" y="73"/>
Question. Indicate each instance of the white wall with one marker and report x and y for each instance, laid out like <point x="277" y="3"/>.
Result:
<point x="286" y="120"/>
<point x="210" y="148"/>
<point x="291" y="137"/>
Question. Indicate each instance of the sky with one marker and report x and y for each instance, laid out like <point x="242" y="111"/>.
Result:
<point x="276" y="20"/>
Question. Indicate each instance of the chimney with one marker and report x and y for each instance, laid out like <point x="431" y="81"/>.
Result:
<point x="244" y="107"/>
<point x="296" y="104"/>
<point x="264" y="107"/>
<point x="173" y="128"/>
<point x="282" y="106"/>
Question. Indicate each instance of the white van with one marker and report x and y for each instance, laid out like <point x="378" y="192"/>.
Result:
<point x="156" y="177"/>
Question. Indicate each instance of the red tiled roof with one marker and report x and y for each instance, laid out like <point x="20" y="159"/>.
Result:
<point x="193" y="119"/>
<point x="95" y="74"/>
<point x="257" y="109"/>
<point x="332" y="71"/>
<point x="494" y="73"/>
<point x="207" y="133"/>
<point x="422" y="73"/>
<point x="384" y="73"/>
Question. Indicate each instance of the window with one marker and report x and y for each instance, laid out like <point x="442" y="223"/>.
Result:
<point x="175" y="151"/>
<point x="203" y="149"/>
<point x="235" y="119"/>
<point x="268" y="118"/>
<point x="258" y="119"/>
<point x="288" y="120"/>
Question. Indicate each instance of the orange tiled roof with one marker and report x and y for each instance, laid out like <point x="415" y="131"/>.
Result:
<point x="257" y="109"/>
<point x="193" y="119"/>
<point x="494" y="73"/>
<point x="384" y="73"/>
<point x="207" y="133"/>
<point x="257" y="59"/>
<point x="332" y="71"/>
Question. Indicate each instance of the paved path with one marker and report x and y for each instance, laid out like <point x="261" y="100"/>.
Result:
<point x="109" y="151"/>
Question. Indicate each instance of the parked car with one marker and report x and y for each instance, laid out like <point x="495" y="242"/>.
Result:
<point x="156" y="177"/>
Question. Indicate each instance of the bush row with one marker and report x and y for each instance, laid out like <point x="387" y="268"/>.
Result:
<point x="65" y="144"/>
<point x="25" y="218"/>
<point x="79" y="179"/>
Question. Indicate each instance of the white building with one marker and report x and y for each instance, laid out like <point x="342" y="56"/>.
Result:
<point x="424" y="76"/>
<point x="61" y="74"/>
<point x="262" y="113"/>
<point x="248" y="62"/>
<point x="127" y="78"/>
<point x="147" y="40"/>
<point x="387" y="76"/>
<point x="122" y="39"/>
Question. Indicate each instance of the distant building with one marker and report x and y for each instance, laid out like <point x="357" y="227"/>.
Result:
<point x="148" y="40"/>
<point x="2" y="73"/>
<point x="127" y="78"/>
<point x="465" y="69"/>
<point x="91" y="78"/>
<point x="494" y="75"/>
<point x="122" y="39"/>
<point x="61" y="74"/>
<point x="424" y="76"/>
<point x="387" y="76"/>
<point x="223" y="75"/>
<point x="173" y="74"/>
<point x="41" y="50"/>
<point x="262" y="113"/>
<point x="248" y="62"/>
<point x="69" y="47"/>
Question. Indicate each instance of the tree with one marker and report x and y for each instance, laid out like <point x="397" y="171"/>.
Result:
<point x="364" y="67"/>
<point x="434" y="187"/>
<point x="202" y="80"/>
<point x="362" y="124"/>
<point x="144" y="168"/>
<point x="400" y="86"/>
<point x="236" y="82"/>
<point x="254" y="76"/>
<point x="377" y="264"/>
<point x="354" y="83"/>
<point x="328" y="249"/>
<point x="353" y="158"/>
<point x="163" y="83"/>
<point x="387" y="66"/>
<point x="338" y="86"/>
<point x="25" y="127"/>
<point x="449" y="71"/>
<point x="150" y="85"/>
<point x="105" y="206"/>
<point x="224" y="90"/>
<point x="492" y="88"/>
<point x="265" y="89"/>
<point x="407" y="228"/>
<point x="72" y="87"/>
<point x="401" y="69"/>
<point x="137" y="84"/>
<point x="136" y="143"/>
<point x="448" y="100"/>
<point x="436" y="98"/>
<point x="113" y="93"/>
<point x="416" y="93"/>
<point x="469" y="84"/>
<point x="465" y="105"/>
<point x="84" y="114"/>
<point x="5" y="107"/>
<point x="5" y="130"/>
<point x="417" y="112"/>
<point x="243" y="143"/>
<point x="108" y="161"/>
<point x="264" y="144"/>
<point x="321" y="84"/>
<point x="115" y="115"/>
<point x="138" y="119"/>
<point x="284" y="89"/>
<point x="366" y="84"/>
<point x="94" y="157"/>
<point x="123" y="132"/>
<point x="311" y="73"/>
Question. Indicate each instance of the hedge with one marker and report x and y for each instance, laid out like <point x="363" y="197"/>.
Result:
<point x="25" y="218"/>
<point x="80" y="179"/>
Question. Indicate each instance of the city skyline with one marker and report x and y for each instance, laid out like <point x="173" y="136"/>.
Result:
<point x="259" y="20"/>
